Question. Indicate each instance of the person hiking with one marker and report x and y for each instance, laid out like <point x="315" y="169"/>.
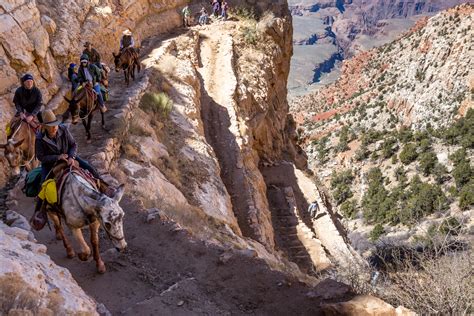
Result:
<point x="186" y="16"/>
<point x="55" y="143"/>
<point x="216" y="8"/>
<point x="91" y="73"/>
<point x="72" y="76"/>
<point x="313" y="209"/>
<point x="127" y="40"/>
<point x="27" y="99"/>
<point x="204" y="17"/>
<point x="224" y="9"/>
<point x="94" y="56"/>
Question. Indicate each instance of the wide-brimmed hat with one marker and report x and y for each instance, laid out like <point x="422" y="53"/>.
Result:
<point x="87" y="44"/>
<point x="49" y="119"/>
<point x="127" y="32"/>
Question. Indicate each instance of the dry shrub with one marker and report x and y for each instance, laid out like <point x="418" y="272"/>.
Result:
<point x="138" y="127"/>
<point x="443" y="285"/>
<point x="15" y="294"/>
<point x="157" y="104"/>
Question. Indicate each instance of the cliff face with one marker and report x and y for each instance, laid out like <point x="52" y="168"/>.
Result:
<point x="43" y="37"/>
<point x="400" y="109"/>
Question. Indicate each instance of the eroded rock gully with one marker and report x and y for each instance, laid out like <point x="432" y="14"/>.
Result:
<point x="217" y="175"/>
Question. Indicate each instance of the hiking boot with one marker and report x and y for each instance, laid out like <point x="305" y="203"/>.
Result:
<point x="40" y="217"/>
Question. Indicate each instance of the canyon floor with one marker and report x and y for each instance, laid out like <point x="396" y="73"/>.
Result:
<point x="167" y="271"/>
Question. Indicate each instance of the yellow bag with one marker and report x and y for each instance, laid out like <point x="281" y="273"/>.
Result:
<point x="8" y="130"/>
<point x="49" y="192"/>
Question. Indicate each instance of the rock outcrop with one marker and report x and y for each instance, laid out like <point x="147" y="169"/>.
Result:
<point x="32" y="284"/>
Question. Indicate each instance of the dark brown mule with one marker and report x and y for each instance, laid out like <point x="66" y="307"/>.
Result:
<point x="82" y="106"/>
<point x="20" y="146"/>
<point x="127" y="60"/>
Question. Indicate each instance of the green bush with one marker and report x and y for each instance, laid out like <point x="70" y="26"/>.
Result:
<point x="322" y="150"/>
<point x="462" y="174"/>
<point x="340" y="185"/>
<point x="405" y="135"/>
<point x="462" y="132"/>
<point x="250" y="34"/>
<point x="408" y="154"/>
<point x="422" y="199"/>
<point x="466" y="196"/>
<point x="428" y="162"/>
<point x="371" y="136"/>
<point x="349" y="209"/>
<point x="362" y="153"/>
<point x="389" y="147"/>
<point x="440" y="173"/>
<point x="343" y="140"/>
<point x="378" y="206"/>
<point x="156" y="103"/>
<point x="377" y="232"/>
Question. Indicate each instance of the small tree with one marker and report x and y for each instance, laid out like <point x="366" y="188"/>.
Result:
<point x="428" y="162"/>
<point x="343" y="140"/>
<point x="340" y="185"/>
<point x="408" y="154"/>
<point x="466" y="196"/>
<point x="376" y="232"/>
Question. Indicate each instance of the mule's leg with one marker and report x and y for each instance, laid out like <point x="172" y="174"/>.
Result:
<point x="94" y="228"/>
<point x="60" y="232"/>
<point x="85" y="250"/>
<point x="133" y="71"/>
<point x="89" y="121"/>
<point x="125" y="72"/>
<point x="103" y="119"/>
<point x="84" y="122"/>
<point x="139" y="67"/>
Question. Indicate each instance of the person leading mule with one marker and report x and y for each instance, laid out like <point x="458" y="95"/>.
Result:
<point x="89" y="72"/>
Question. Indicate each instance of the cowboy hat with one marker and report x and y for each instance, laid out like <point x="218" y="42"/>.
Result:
<point x="49" y="119"/>
<point x="87" y="44"/>
<point x="127" y="32"/>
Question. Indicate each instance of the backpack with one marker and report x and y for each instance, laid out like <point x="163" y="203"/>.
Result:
<point x="32" y="183"/>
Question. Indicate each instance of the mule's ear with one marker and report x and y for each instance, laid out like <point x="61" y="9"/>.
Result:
<point x="18" y="143"/>
<point x="93" y="203"/>
<point x="119" y="193"/>
<point x="68" y="101"/>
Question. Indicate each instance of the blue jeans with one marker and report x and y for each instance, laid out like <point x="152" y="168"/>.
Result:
<point x="203" y="19"/>
<point x="99" y="94"/>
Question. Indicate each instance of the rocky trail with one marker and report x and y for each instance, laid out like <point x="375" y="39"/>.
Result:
<point x="165" y="270"/>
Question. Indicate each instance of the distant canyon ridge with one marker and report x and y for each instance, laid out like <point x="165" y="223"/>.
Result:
<point x="328" y="31"/>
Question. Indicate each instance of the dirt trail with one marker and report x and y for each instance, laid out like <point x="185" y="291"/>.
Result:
<point x="166" y="271"/>
<point x="218" y="83"/>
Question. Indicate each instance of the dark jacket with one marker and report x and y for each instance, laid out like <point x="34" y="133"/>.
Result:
<point x="48" y="151"/>
<point x="93" y="70"/>
<point x="29" y="101"/>
<point x="94" y="56"/>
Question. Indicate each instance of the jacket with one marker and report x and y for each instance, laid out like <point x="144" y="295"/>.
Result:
<point x="94" y="56"/>
<point x="48" y="151"/>
<point x="28" y="100"/>
<point x="127" y="41"/>
<point x="93" y="70"/>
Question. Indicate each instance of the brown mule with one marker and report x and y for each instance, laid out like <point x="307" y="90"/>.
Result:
<point x="20" y="146"/>
<point x="82" y="106"/>
<point x="127" y="60"/>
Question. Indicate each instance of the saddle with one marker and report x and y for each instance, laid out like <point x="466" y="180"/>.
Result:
<point x="16" y="122"/>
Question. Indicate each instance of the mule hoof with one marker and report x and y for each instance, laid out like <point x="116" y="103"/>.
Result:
<point x="101" y="268"/>
<point x="70" y="254"/>
<point x="83" y="256"/>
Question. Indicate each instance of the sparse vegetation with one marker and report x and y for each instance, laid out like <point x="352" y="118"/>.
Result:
<point x="340" y="185"/>
<point x="156" y="103"/>
<point x="408" y="154"/>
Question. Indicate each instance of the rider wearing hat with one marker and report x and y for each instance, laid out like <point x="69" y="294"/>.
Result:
<point x="94" y="56"/>
<point x="28" y="99"/>
<point x="55" y="143"/>
<point x="89" y="72"/>
<point x="126" y="40"/>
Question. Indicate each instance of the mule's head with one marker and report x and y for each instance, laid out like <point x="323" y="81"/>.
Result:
<point x="73" y="109"/>
<point x="13" y="154"/>
<point x="116" y="61"/>
<point x="111" y="215"/>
